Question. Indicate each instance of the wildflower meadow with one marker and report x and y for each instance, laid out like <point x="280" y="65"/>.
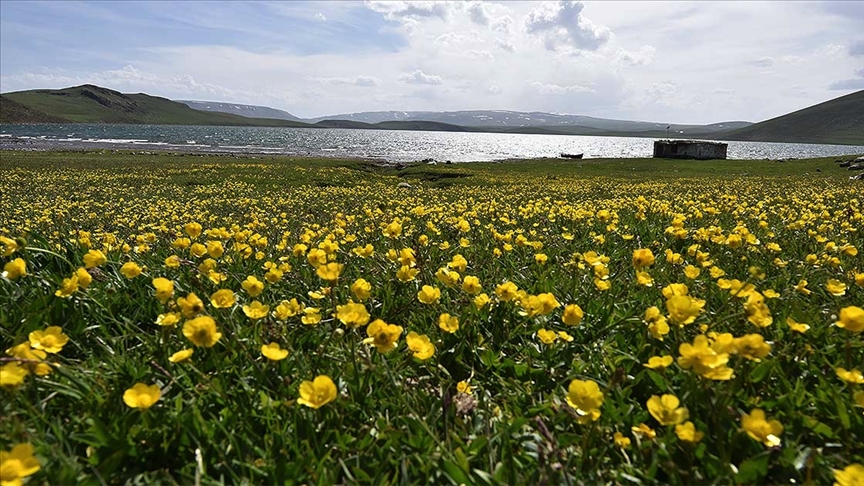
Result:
<point x="207" y="319"/>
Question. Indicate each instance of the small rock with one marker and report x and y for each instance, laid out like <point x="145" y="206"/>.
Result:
<point x="858" y="166"/>
<point x="846" y="164"/>
<point x="404" y="185"/>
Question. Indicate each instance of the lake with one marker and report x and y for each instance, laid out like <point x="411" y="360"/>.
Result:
<point x="379" y="144"/>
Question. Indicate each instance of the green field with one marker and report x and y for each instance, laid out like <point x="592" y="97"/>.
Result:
<point x="615" y="321"/>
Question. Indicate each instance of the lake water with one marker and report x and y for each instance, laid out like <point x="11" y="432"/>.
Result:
<point x="379" y="144"/>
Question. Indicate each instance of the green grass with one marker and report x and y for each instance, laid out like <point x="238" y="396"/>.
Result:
<point x="396" y="419"/>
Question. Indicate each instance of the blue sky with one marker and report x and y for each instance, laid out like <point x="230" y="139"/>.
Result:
<point x="696" y="62"/>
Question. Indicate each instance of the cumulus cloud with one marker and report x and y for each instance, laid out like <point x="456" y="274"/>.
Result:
<point x="557" y="89"/>
<point x="642" y="57"/>
<point x="762" y="62"/>
<point x="494" y="89"/>
<point x="477" y="13"/>
<point x="561" y="24"/>
<point x="505" y="45"/>
<point x="849" y="84"/>
<point x="502" y="25"/>
<point x="411" y="11"/>
<point x="320" y="16"/>
<point x="419" y="77"/>
<point x="450" y="39"/>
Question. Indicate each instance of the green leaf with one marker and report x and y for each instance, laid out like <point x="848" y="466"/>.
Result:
<point x="761" y="371"/>
<point x="752" y="470"/>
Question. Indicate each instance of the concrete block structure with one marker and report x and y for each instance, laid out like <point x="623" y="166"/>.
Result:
<point x="689" y="149"/>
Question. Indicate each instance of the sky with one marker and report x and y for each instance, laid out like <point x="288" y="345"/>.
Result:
<point x="681" y="62"/>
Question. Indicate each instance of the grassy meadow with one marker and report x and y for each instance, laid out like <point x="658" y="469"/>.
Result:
<point x="210" y="319"/>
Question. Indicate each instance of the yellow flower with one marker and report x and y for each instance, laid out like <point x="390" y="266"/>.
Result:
<point x="835" y="288"/>
<point x="51" y="340"/>
<point x="541" y="258"/>
<point x="15" y="269"/>
<point x="507" y="291"/>
<point x="675" y="289"/>
<point x="448" y="323"/>
<point x="447" y="277"/>
<point x="481" y="300"/>
<point x="691" y="272"/>
<point x="458" y="263"/>
<point x="393" y="230"/>
<point x="316" y="257"/>
<point x="172" y="261"/>
<point x="471" y="285"/>
<point x="168" y="319"/>
<point x="463" y="387"/>
<point x="164" y="289"/>
<point x="683" y="309"/>
<point x="192" y="229"/>
<point x="757" y="312"/>
<point x="142" y="396"/>
<point x="621" y="441"/>
<point x="382" y="335"/>
<point x="34" y="356"/>
<point x="851" y="475"/>
<point x="801" y="288"/>
<point x="666" y="410"/>
<point x="429" y="294"/>
<point x="361" y="289"/>
<point x="201" y="331"/>
<point x="94" y="258"/>
<point x="658" y="362"/>
<point x="84" y="278"/>
<point x="547" y="336"/>
<point x="752" y="347"/>
<point x="12" y="374"/>
<point x="311" y="316"/>
<point x="288" y="309"/>
<point x="256" y="310"/>
<point x="797" y="326"/>
<point x="252" y="286"/>
<point x="181" y="356"/>
<point x="643" y="430"/>
<point x="364" y="251"/>
<point x="859" y="279"/>
<point x="273" y="352"/>
<point x="223" y="298"/>
<point x="643" y="257"/>
<point x="770" y="294"/>
<point x="215" y="249"/>
<point x="657" y="325"/>
<point x="420" y="345"/>
<point x="330" y="272"/>
<point x="760" y="429"/>
<point x="851" y="376"/>
<point x="704" y="360"/>
<point x="565" y="337"/>
<point x="586" y="399"/>
<point x="352" y="314"/>
<point x="572" y="315"/>
<point x="851" y="319"/>
<point x="406" y="273"/>
<point x="644" y="278"/>
<point x="687" y="432"/>
<point x="315" y="394"/>
<point x="8" y="245"/>
<point x="190" y="305"/>
<point x="17" y="464"/>
<point x="130" y="270"/>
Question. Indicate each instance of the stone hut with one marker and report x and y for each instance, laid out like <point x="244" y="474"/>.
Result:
<point x="689" y="149"/>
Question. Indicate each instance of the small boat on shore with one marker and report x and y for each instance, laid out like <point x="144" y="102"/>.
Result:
<point x="571" y="156"/>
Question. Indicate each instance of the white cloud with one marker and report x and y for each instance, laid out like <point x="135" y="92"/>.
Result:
<point x="555" y="89"/>
<point x="856" y="48"/>
<point x="505" y="45"/>
<point x="362" y="81"/>
<point x="494" y="89"/>
<point x="411" y="11"/>
<point x="561" y="24"/>
<point x="320" y="16"/>
<point x="642" y="57"/>
<point x="502" y="25"/>
<point x="419" y="77"/>
<point x="477" y="13"/>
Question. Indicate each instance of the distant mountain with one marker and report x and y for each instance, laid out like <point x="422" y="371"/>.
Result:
<point x="516" y="119"/>
<point x="837" y="121"/>
<point x="249" y="111"/>
<point x="92" y="104"/>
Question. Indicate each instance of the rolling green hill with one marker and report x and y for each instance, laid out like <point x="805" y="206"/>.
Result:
<point x="837" y="121"/>
<point x="92" y="104"/>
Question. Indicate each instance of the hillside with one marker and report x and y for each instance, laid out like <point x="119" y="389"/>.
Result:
<point x="837" y="121"/>
<point x="92" y="104"/>
<point x="249" y="111"/>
